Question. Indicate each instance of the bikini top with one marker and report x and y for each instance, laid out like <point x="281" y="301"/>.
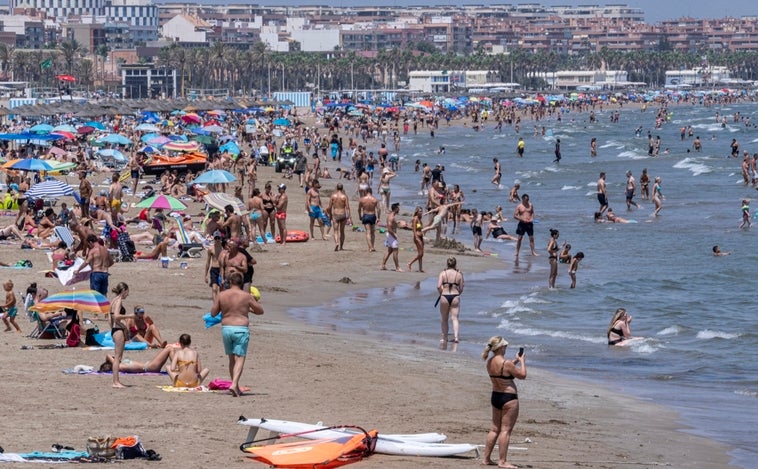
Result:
<point x="449" y="283"/>
<point x="618" y="332"/>
<point x="501" y="375"/>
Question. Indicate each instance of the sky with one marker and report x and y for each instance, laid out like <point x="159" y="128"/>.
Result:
<point x="655" y="10"/>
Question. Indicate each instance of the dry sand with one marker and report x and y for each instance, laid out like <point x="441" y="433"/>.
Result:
<point x="307" y="373"/>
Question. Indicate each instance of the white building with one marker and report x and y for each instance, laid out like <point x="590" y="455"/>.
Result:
<point x="587" y="80"/>
<point x="186" y="28"/>
<point x="697" y="77"/>
<point x="317" y="40"/>
<point x="444" y="81"/>
<point x="61" y="8"/>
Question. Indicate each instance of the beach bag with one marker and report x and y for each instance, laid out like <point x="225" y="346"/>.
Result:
<point x="74" y="336"/>
<point x="100" y="446"/>
<point x="89" y="337"/>
<point x="129" y="447"/>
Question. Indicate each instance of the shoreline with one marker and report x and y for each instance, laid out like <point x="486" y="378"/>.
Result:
<point x="315" y="373"/>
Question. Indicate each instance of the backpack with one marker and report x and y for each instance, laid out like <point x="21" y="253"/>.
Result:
<point x="89" y="337"/>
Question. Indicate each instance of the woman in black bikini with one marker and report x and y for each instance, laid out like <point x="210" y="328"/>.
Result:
<point x="450" y="287"/>
<point x="267" y="215"/>
<point x="504" y="399"/>
<point x="118" y="319"/>
<point x="618" y="329"/>
<point x="552" y="252"/>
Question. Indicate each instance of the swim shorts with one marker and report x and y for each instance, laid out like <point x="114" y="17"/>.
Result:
<point x="368" y="219"/>
<point x="255" y="214"/>
<point x="134" y="173"/>
<point x="476" y="230"/>
<point x="115" y="204"/>
<point x="12" y="312"/>
<point x="215" y="276"/>
<point x="315" y="212"/>
<point x="281" y="215"/>
<point x="629" y="194"/>
<point x="98" y="281"/>
<point x="236" y="339"/>
<point x="525" y="228"/>
<point x="391" y="242"/>
<point x="602" y="199"/>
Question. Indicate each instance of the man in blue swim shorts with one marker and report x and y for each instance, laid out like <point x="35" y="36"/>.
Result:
<point x="313" y="205"/>
<point x="235" y="305"/>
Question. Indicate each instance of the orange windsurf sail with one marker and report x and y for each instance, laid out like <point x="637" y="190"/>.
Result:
<point x="315" y="454"/>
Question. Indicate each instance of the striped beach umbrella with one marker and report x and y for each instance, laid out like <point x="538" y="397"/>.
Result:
<point x="181" y="146"/>
<point x="49" y="189"/>
<point x="84" y="301"/>
<point x="165" y="202"/>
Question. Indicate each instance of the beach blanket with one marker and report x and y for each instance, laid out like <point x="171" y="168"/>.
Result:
<point x="41" y="456"/>
<point x="211" y="321"/>
<point x="67" y="277"/>
<point x="198" y="389"/>
<point x="79" y="371"/>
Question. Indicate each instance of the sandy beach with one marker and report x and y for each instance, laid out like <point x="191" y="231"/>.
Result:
<point x="307" y="373"/>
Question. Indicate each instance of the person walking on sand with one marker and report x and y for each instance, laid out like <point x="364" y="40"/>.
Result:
<point x="119" y="330"/>
<point x="85" y="192"/>
<point x="9" y="309"/>
<point x="418" y="239"/>
<point x="314" y="208"/>
<point x="339" y="211"/>
<point x="524" y="214"/>
<point x="100" y="260"/>
<point x="280" y="202"/>
<point x="450" y="287"/>
<point x="235" y="305"/>
<point x="391" y="242"/>
<point x="504" y="399"/>
<point x="367" y="212"/>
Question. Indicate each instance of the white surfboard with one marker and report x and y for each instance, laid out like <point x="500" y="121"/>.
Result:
<point x="419" y="444"/>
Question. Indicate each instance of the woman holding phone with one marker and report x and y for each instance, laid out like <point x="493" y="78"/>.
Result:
<point x="504" y="399"/>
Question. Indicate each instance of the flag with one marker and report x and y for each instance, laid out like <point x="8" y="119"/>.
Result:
<point x="47" y="63"/>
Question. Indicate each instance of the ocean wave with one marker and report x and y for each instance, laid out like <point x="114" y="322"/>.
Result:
<point x="708" y="334"/>
<point x="695" y="167"/>
<point x="514" y="328"/>
<point x="533" y="298"/>
<point x="746" y="392"/>
<point x="613" y="144"/>
<point x="570" y="188"/>
<point x="632" y="155"/>
<point x="672" y="330"/>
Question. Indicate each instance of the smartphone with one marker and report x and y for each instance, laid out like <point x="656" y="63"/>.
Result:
<point x="521" y="352"/>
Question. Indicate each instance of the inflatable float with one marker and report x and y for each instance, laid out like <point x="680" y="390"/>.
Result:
<point x="294" y="236"/>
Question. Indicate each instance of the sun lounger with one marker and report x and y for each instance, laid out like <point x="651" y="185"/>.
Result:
<point x="186" y="248"/>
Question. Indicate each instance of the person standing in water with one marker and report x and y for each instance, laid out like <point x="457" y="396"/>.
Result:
<point x="450" y="287"/>
<point x="552" y="252"/>
<point x="524" y="213"/>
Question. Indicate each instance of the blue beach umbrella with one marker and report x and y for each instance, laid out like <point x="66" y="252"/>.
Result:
<point x="31" y="164"/>
<point x="115" y="138"/>
<point x="147" y="128"/>
<point x="111" y="153"/>
<point x="147" y="137"/>
<point x="41" y="128"/>
<point x="65" y="128"/>
<point x="95" y="124"/>
<point x="50" y="189"/>
<point x="230" y="147"/>
<point x="216" y="176"/>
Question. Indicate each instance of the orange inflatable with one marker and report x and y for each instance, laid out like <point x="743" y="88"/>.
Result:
<point x="294" y="236"/>
<point x="183" y="162"/>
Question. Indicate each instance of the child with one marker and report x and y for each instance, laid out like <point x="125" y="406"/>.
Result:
<point x="745" y="214"/>
<point x="10" y="308"/>
<point x="573" y="265"/>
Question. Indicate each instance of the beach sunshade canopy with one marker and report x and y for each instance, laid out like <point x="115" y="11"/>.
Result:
<point x="64" y="128"/>
<point x="118" y="139"/>
<point x="85" y="129"/>
<point x="68" y="78"/>
<point x="112" y="153"/>
<point x="191" y="117"/>
<point x="50" y="189"/>
<point x="41" y="128"/>
<point x="84" y="301"/>
<point x="29" y="164"/>
<point x="216" y="176"/>
<point x="59" y="166"/>
<point x="219" y="200"/>
<point x="165" y="202"/>
<point x="64" y="134"/>
<point x="283" y="122"/>
<point x="147" y="128"/>
<point x="97" y="125"/>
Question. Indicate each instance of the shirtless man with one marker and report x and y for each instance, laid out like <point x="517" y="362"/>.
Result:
<point x="85" y="192"/>
<point x="280" y="202"/>
<point x="233" y="224"/>
<point x="134" y="172"/>
<point x="392" y="242"/>
<point x="235" y="305"/>
<point x="426" y="178"/>
<point x="631" y="188"/>
<point x="115" y="196"/>
<point x="231" y="261"/>
<point x="601" y="195"/>
<point x="314" y="209"/>
<point x="524" y="213"/>
<point x="339" y="211"/>
<point x="368" y="213"/>
<point x="99" y="260"/>
<point x="213" y="265"/>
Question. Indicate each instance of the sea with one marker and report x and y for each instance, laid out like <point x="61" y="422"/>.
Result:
<point x="696" y="312"/>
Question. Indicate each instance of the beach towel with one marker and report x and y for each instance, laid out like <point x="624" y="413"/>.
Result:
<point x="88" y="370"/>
<point x="67" y="276"/>
<point x="106" y="342"/>
<point x="211" y="321"/>
<point x="198" y="389"/>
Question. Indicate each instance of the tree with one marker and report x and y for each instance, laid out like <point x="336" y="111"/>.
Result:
<point x="71" y="51"/>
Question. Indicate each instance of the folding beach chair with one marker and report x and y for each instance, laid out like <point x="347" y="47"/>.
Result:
<point x="187" y="249"/>
<point x="53" y="329"/>
<point x="64" y="234"/>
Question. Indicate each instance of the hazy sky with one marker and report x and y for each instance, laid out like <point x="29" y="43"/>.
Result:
<point x="655" y="10"/>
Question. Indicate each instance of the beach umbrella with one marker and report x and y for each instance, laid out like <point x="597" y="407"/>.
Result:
<point x="282" y="121"/>
<point x="68" y="78"/>
<point x="219" y="200"/>
<point x="41" y="128"/>
<point x="165" y="202"/>
<point x="59" y="166"/>
<point x="95" y="124"/>
<point x="230" y="147"/>
<point x="214" y="129"/>
<point x="158" y="140"/>
<point x="216" y="176"/>
<point x="85" y="129"/>
<point x="67" y="135"/>
<point x="49" y="189"/>
<point x="115" y="138"/>
<point x="225" y="138"/>
<point x="84" y="301"/>
<point x="148" y="149"/>
<point x="64" y="128"/>
<point x="147" y="128"/>
<point x="178" y="138"/>
<point x="181" y="146"/>
<point x="112" y="153"/>
<point x="191" y="117"/>
<point x="57" y="151"/>
<point x="206" y="139"/>
<point x="28" y="164"/>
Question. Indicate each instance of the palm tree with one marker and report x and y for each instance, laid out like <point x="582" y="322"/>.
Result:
<point x="71" y="50"/>
<point x="6" y="59"/>
<point x="102" y="52"/>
